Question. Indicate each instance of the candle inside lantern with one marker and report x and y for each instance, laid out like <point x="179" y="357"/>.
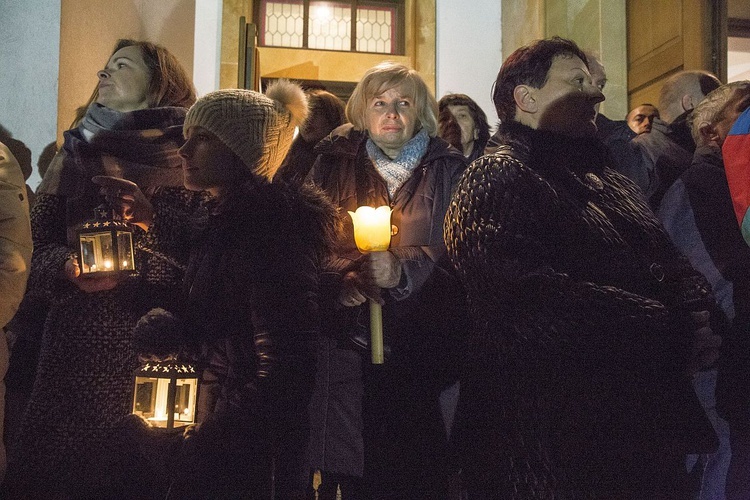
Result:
<point x="166" y="393"/>
<point x="372" y="233"/>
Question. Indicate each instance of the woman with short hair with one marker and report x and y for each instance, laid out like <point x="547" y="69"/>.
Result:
<point x="377" y="429"/>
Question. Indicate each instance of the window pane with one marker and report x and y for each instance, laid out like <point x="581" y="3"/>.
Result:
<point x="376" y="29"/>
<point x="330" y="26"/>
<point x="283" y="24"/>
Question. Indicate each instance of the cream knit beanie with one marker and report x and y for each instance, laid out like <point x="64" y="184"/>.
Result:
<point x="258" y="128"/>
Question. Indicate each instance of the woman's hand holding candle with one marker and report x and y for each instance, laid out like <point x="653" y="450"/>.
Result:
<point x="357" y="288"/>
<point x="382" y="269"/>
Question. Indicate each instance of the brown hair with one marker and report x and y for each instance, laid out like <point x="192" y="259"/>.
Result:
<point x="529" y="65"/>
<point x="331" y="107"/>
<point x="170" y="85"/>
<point x="477" y="113"/>
<point x="383" y="77"/>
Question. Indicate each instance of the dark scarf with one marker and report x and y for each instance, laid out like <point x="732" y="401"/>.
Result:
<point x="140" y="146"/>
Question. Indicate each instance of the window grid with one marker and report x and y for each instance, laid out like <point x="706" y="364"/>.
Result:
<point x="375" y="30"/>
<point x="329" y="25"/>
<point x="284" y="24"/>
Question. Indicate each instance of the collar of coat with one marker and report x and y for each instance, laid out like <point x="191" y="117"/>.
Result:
<point x="567" y="160"/>
<point x="346" y="141"/>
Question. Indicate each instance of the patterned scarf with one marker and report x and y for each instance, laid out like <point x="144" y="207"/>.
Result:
<point x="140" y="146"/>
<point x="396" y="172"/>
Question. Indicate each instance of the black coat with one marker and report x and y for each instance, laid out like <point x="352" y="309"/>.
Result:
<point x="252" y="308"/>
<point x="576" y="384"/>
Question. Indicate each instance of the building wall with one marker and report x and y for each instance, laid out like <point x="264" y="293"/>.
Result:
<point x="29" y="52"/>
<point x="90" y="28"/>
<point x="595" y="25"/>
<point x="469" y="50"/>
<point x="599" y="26"/>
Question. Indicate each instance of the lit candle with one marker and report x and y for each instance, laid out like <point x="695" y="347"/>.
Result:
<point x="372" y="233"/>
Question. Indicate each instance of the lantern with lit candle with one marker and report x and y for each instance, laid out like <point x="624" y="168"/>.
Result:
<point x="166" y="393"/>
<point x="106" y="243"/>
<point x="372" y="233"/>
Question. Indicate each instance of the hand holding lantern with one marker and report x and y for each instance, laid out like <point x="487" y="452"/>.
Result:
<point x="127" y="199"/>
<point x="372" y="233"/>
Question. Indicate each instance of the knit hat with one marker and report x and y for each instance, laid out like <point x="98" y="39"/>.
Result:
<point x="258" y="128"/>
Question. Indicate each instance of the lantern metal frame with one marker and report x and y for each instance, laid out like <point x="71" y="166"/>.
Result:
<point x="106" y="228"/>
<point x="166" y="385"/>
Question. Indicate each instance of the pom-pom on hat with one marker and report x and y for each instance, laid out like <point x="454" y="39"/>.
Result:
<point x="256" y="127"/>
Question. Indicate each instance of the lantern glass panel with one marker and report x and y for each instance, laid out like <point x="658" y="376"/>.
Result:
<point x="125" y="250"/>
<point x="184" y="401"/>
<point x="97" y="252"/>
<point x="151" y="400"/>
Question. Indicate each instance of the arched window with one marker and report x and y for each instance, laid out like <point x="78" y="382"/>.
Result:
<point x="354" y="26"/>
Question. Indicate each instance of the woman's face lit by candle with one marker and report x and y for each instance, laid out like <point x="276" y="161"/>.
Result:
<point x="391" y="119"/>
<point x="208" y="164"/>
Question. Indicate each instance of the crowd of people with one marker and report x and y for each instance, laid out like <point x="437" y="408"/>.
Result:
<point x="565" y="304"/>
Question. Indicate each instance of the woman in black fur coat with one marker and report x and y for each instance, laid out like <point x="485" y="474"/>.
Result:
<point x="588" y="323"/>
<point x="250" y="308"/>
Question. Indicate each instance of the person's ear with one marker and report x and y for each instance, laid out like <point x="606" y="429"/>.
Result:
<point x="708" y="133"/>
<point x="687" y="102"/>
<point x="524" y="97"/>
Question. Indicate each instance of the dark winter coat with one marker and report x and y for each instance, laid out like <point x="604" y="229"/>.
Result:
<point x="697" y="212"/>
<point x="420" y="318"/>
<point x="576" y="384"/>
<point x="84" y="381"/>
<point x="668" y="151"/>
<point x="252" y="308"/>
<point x="298" y="162"/>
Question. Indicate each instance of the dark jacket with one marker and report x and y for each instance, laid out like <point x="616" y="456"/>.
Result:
<point x="420" y="316"/>
<point x="668" y="151"/>
<point x="576" y="384"/>
<point x="697" y="212"/>
<point x="84" y="379"/>
<point x="252" y="290"/>
<point x="252" y="308"/>
<point x="297" y="163"/>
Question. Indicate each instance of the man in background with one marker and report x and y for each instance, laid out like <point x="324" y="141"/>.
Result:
<point x="641" y="118"/>
<point x="669" y="147"/>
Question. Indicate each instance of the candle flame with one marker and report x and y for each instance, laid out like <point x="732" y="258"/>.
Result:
<point x="372" y="228"/>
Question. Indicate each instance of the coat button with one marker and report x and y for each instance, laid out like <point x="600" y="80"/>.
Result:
<point x="394" y="229"/>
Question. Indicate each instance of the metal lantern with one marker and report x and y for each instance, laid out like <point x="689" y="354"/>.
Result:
<point x="166" y="393"/>
<point x="106" y="243"/>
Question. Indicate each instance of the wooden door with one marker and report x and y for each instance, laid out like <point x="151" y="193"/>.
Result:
<point x="666" y="36"/>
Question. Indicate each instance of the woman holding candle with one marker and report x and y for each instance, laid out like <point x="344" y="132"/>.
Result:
<point x="131" y="128"/>
<point x="377" y="429"/>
